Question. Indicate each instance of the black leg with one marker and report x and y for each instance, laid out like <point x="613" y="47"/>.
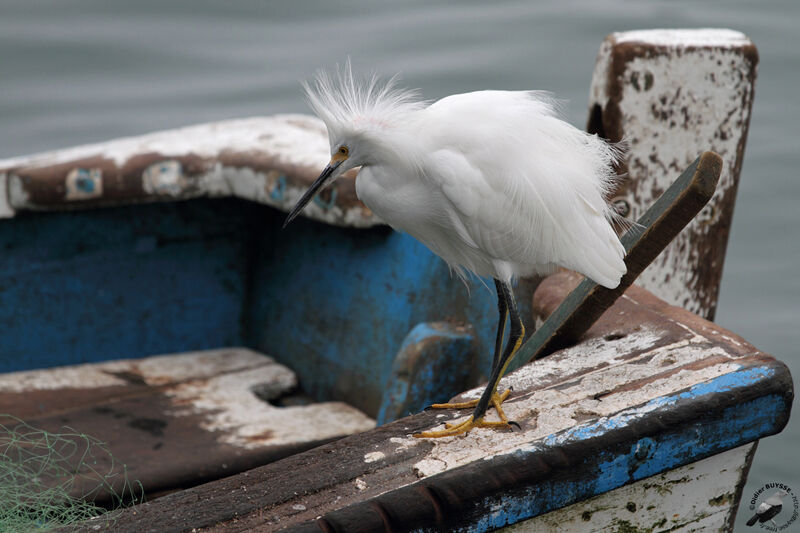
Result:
<point x="502" y="307"/>
<point x="515" y="339"/>
<point x="502" y="357"/>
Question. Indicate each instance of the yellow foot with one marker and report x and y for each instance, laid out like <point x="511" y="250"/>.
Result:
<point x="452" y="430"/>
<point x="496" y="400"/>
<point x="465" y="426"/>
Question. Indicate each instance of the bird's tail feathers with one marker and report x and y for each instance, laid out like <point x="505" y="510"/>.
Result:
<point x="615" y="153"/>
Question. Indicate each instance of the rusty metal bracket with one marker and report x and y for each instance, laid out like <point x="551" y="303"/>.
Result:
<point x="673" y="210"/>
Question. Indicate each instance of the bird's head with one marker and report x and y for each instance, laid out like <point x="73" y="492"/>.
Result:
<point x="365" y="119"/>
<point x="344" y="156"/>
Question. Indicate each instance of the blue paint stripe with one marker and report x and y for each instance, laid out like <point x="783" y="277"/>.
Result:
<point x="671" y="452"/>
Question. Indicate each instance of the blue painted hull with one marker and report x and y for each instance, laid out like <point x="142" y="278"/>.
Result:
<point x="333" y="303"/>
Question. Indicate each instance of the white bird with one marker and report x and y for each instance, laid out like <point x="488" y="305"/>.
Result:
<point x="493" y="182"/>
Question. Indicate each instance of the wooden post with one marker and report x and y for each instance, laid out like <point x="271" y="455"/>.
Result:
<point x="669" y="94"/>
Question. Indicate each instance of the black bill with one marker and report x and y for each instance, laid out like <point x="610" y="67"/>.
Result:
<point x="318" y="184"/>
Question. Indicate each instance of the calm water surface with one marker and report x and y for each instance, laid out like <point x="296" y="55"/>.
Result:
<point x="85" y="71"/>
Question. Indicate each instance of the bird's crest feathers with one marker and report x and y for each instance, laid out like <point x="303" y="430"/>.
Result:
<point x="343" y="101"/>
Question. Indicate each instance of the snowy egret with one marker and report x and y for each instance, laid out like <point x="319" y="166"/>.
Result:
<point x="492" y="181"/>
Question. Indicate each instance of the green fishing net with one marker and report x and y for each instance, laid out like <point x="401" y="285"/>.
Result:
<point x="48" y="480"/>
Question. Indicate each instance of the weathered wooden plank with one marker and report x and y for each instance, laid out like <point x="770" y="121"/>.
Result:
<point x="177" y="420"/>
<point x="666" y="92"/>
<point x="270" y="160"/>
<point x="651" y="388"/>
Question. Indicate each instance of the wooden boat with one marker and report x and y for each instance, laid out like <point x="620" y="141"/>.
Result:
<point x="280" y="343"/>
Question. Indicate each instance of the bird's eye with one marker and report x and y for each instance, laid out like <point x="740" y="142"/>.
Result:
<point x="344" y="151"/>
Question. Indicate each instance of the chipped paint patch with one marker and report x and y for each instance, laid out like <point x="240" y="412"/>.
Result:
<point x="217" y="385"/>
<point x="17" y="195"/>
<point x="597" y="386"/>
<point x="672" y="94"/>
<point x="682" y="37"/>
<point x="6" y="211"/>
<point x="371" y="457"/>
<point x="164" y="178"/>
<point x="69" y="377"/>
<point x="575" y="359"/>
<point x="162" y="370"/>
<point x="157" y="370"/>
<point x="241" y="419"/>
<point x="430" y="466"/>
<point x="671" y="500"/>
<point x="270" y="160"/>
<point x="403" y="444"/>
<point x="274" y="189"/>
<point x="84" y="183"/>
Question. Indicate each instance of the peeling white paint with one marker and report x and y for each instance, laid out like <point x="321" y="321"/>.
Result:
<point x="403" y="444"/>
<point x="68" y="377"/>
<point x="172" y="368"/>
<point x="241" y="419"/>
<point x="696" y="337"/>
<point x="6" y="211"/>
<point x="591" y="383"/>
<point x="688" y="97"/>
<point x="731" y="340"/>
<point x="290" y="141"/>
<point x="575" y="359"/>
<point x="371" y="457"/>
<point x="273" y="189"/>
<point x="695" y="497"/>
<point x="165" y="178"/>
<point x="216" y="385"/>
<point x="684" y="37"/>
<point x="430" y="466"/>
<point x="155" y="371"/>
<point x="17" y="195"/>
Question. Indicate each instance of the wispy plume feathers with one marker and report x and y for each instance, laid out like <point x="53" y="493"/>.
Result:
<point x="343" y="101"/>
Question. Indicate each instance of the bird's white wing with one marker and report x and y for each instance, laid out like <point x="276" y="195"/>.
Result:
<point x="529" y="191"/>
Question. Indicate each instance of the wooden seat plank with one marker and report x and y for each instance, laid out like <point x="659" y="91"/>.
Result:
<point x="176" y="420"/>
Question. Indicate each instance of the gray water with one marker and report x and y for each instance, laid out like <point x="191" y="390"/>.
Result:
<point x="85" y="71"/>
